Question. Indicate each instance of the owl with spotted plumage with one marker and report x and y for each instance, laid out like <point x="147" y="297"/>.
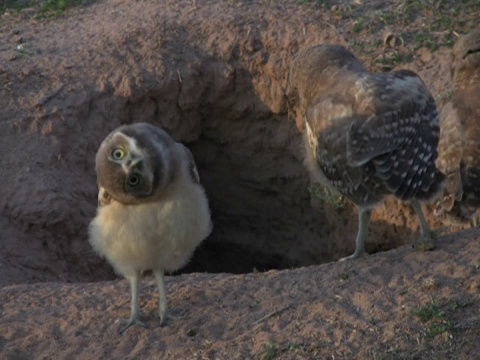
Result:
<point x="459" y="147"/>
<point x="152" y="211"/>
<point x="368" y="135"/>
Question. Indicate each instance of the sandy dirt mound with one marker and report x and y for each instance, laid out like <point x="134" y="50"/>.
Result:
<point x="214" y="75"/>
<point x="399" y="304"/>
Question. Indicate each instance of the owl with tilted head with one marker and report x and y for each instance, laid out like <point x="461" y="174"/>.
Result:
<point x="152" y="210"/>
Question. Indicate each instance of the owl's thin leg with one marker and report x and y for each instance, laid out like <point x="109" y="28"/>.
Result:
<point x="159" y="276"/>
<point x="475" y="219"/>
<point x="135" y="314"/>
<point x="363" y="220"/>
<point x="425" y="242"/>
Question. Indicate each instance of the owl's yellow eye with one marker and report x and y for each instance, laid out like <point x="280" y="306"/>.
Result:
<point x="118" y="154"/>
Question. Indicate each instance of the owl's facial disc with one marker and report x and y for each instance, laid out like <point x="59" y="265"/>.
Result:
<point x="132" y="163"/>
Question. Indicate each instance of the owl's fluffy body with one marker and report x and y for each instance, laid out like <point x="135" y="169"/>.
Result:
<point x="367" y="135"/>
<point x="154" y="235"/>
<point x="459" y="147"/>
<point x="152" y="211"/>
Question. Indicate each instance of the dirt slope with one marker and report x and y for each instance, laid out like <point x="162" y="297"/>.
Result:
<point x="343" y="310"/>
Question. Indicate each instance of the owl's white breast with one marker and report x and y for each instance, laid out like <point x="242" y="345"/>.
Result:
<point x="158" y="235"/>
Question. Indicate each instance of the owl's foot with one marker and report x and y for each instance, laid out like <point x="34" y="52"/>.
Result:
<point x="163" y="316"/>
<point x="167" y="316"/>
<point x="129" y="322"/>
<point x="355" y="255"/>
<point x="427" y="242"/>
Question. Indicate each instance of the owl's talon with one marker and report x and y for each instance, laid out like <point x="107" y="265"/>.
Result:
<point x="425" y="243"/>
<point x="166" y="316"/>
<point x="129" y="322"/>
<point x="354" y="256"/>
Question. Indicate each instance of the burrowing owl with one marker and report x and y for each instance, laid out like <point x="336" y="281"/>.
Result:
<point x="459" y="147"/>
<point x="367" y="135"/>
<point x="152" y="211"/>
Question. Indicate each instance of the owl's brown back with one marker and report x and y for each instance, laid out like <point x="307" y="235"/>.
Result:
<point x="368" y="135"/>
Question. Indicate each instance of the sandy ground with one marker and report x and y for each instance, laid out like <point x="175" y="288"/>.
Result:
<point x="213" y="73"/>
<point x="362" y="309"/>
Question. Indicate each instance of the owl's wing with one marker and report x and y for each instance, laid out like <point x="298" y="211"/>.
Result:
<point x="191" y="163"/>
<point x="397" y="129"/>
<point x="328" y="120"/>
<point x="450" y="149"/>
<point x="391" y="111"/>
<point x="391" y="122"/>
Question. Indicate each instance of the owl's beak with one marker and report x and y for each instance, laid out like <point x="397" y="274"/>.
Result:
<point x="128" y="165"/>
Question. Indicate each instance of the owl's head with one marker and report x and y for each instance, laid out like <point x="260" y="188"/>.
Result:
<point x="316" y="69"/>
<point x="135" y="163"/>
<point x="466" y="57"/>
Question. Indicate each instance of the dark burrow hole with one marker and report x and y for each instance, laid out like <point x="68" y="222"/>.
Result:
<point x="213" y="257"/>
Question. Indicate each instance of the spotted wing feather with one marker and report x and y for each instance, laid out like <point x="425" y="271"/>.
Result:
<point x="399" y="135"/>
<point x="385" y="142"/>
